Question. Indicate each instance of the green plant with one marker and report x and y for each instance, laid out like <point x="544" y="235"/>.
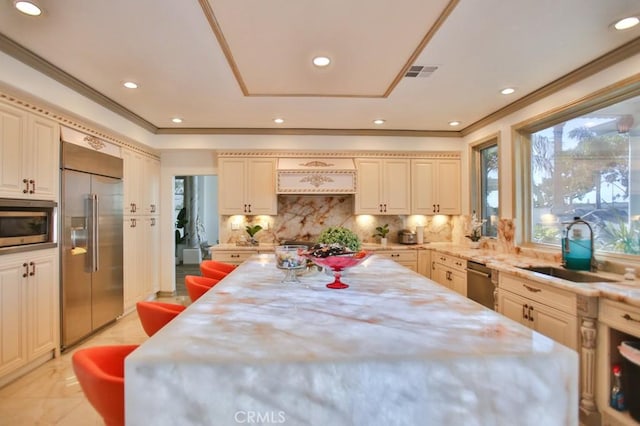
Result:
<point x="340" y="235"/>
<point x="181" y="222"/>
<point x="382" y="231"/>
<point x="252" y="230"/>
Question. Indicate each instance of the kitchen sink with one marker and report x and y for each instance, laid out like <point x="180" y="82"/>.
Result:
<point x="567" y="274"/>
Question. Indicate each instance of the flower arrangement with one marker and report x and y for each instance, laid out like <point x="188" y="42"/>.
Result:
<point x="475" y="228"/>
<point x="343" y="236"/>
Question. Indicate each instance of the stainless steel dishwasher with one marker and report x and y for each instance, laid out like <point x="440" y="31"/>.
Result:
<point x="480" y="283"/>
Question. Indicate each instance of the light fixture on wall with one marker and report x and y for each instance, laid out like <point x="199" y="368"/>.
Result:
<point x="30" y="8"/>
<point x="624" y="123"/>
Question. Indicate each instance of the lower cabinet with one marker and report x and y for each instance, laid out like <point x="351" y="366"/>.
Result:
<point x="545" y="309"/>
<point x="28" y="308"/>
<point x="450" y="271"/>
<point x="566" y="317"/>
<point x="424" y="263"/>
<point x="405" y="257"/>
<point x="236" y="257"/>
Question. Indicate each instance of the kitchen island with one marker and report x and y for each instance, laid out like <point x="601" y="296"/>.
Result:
<point x="393" y="349"/>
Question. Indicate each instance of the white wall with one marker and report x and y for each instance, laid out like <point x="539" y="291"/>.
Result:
<point x="565" y="97"/>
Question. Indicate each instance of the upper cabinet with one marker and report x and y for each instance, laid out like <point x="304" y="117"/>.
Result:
<point x="141" y="183"/>
<point x="384" y="186"/>
<point x="29" y="155"/>
<point x="247" y="186"/>
<point x="435" y="186"/>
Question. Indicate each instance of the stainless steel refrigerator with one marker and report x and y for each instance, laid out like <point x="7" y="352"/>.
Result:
<point x="90" y="241"/>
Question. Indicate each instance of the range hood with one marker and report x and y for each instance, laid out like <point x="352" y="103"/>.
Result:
<point x="316" y="176"/>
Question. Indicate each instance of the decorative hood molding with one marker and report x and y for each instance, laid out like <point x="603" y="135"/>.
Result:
<point x="316" y="176"/>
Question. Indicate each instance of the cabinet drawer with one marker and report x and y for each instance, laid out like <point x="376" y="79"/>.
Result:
<point x="562" y="300"/>
<point x="400" y="256"/>
<point x="452" y="262"/>
<point x="620" y="316"/>
<point x="235" y="257"/>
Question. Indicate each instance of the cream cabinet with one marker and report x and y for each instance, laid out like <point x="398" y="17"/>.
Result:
<point x="236" y="257"/>
<point x="247" y="186"/>
<point x="546" y="309"/>
<point x="618" y="322"/>
<point x="450" y="271"/>
<point x="141" y="179"/>
<point x="141" y="238"/>
<point x="424" y="263"/>
<point x="435" y="186"/>
<point x="384" y="186"/>
<point x="407" y="258"/>
<point x="29" y="155"/>
<point x="28" y="309"/>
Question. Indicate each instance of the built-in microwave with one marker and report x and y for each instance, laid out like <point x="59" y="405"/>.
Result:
<point x="26" y="222"/>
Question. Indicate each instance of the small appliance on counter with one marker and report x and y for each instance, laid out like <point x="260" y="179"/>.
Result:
<point x="406" y="236"/>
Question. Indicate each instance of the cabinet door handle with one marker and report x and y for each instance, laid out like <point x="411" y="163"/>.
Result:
<point x="524" y="312"/>
<point x="434" y="208"/>
<point x="234" y="255"/>
<point x="33" y="186"/>
<point x="630" y="318"/>
<point x="152" y="208"/>
<point x="133" y="223"/>
<point x="153" y="221"/>
<point x="26" y="270"/>
<point x="531" y="289"/>
<point x="26" y="186"/>
<point x="33" y="269"/>
<point x="249" y="207"/>
<point x="438" y="207"/>
<point x="433" y="265"/>
<point x="531" y="313"/>
<point x="132" y="208"/>
<point x="385" y="208"/>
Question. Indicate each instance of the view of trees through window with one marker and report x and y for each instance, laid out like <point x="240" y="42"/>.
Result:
<point x="488" y="188"/>
<point x="588" y="167"/>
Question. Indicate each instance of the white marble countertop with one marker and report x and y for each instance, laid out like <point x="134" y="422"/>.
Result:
<point x="393" y="349"/>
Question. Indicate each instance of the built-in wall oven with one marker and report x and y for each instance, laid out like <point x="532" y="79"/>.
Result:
<point x="26" y="223"/>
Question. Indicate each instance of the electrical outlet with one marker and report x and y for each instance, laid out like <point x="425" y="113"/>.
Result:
<point x="235" y="226"/>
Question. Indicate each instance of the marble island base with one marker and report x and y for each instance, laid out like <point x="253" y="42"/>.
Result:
<point x="393" y="349"/>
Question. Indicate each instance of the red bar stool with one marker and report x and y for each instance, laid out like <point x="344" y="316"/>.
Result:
<point x="155" y="315"/>
<point x="197" y="285"/>
<point x="100" y="372"/>
<point x="214" y="269"/>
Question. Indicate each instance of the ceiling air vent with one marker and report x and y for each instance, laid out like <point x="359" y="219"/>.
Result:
<point x="420" y="71"/>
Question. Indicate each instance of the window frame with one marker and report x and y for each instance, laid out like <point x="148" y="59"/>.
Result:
<point x="475" y="156"/>
<point x="521" y="155"/>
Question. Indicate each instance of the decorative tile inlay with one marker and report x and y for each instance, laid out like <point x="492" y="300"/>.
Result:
<point x="316" y="180"/>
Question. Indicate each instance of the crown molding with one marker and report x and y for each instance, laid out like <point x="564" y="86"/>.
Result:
<point x="339" y="154"/>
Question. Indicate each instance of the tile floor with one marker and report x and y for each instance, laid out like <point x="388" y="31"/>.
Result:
<point x="50" y="394"/>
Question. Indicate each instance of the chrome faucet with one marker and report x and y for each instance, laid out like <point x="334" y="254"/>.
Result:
<point x="593" y="264"/>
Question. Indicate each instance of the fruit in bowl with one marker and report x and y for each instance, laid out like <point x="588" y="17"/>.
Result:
<point x="337" y="259"/>
<point x="290" y="258"/>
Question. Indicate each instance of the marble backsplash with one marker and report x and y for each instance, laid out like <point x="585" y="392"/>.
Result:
<point x="304" y="217"/>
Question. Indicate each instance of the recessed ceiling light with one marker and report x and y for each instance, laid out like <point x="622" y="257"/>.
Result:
<point x="130" y="85"/>
<point x="454" y="123"/>
<point x="507" y="90"/>
<point x="321" y="61"/>
<point x="278" y="120"/>
<point x="378" y="121"/>
<point x="28" y="8"/>
<point x="626" y="23"/>
<point x="177" y="120"/>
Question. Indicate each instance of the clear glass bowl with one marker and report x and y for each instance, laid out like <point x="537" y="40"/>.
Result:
<point x="290" y="258"/>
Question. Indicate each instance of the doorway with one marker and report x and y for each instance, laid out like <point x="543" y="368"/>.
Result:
<point x="195" y="218"/>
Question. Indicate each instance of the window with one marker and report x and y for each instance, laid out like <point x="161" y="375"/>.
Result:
<point x="588" y="167"/>
<point x="486" y="195"/>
